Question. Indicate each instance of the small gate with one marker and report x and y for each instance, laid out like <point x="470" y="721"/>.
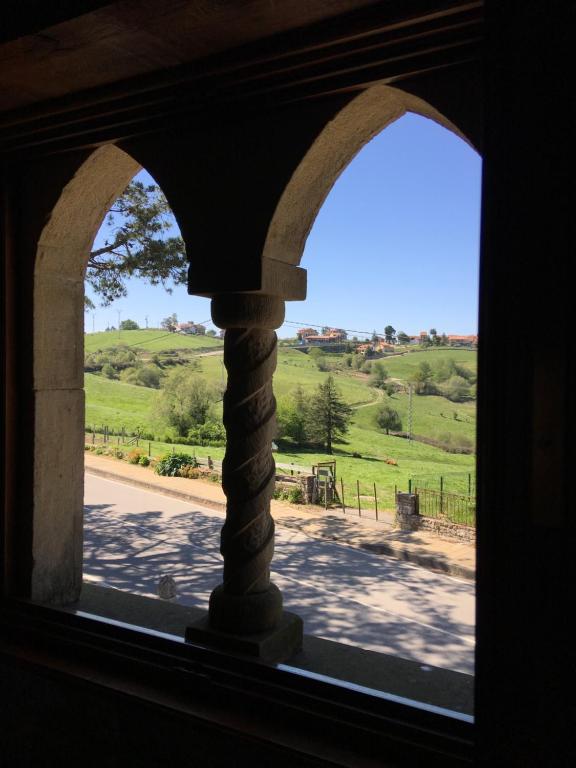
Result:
<point x="325" y="472"/>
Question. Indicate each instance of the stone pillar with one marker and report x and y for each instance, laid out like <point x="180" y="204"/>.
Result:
<point x="247" y="601"/>
<point x="407" y="512"/>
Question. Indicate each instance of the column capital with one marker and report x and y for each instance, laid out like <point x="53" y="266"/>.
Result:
<point x="267" y="277"/>
<point x="247" y="310"/>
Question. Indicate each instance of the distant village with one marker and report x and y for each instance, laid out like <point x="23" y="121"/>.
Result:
<point x="337" y="338"/>
<point x="309" y="337"/>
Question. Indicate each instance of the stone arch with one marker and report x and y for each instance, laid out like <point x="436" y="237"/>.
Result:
<point x="58" y="365"/>
<point x="336" y="146"/>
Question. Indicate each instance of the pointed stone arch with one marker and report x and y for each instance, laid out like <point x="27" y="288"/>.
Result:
<point x="334" y="148"/>
<point x="58" y="368"/>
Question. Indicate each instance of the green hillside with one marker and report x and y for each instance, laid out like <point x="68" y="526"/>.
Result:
<point x="401" y="366"/>
<point x="117" y="404"/>
<point x="152" y="340"/>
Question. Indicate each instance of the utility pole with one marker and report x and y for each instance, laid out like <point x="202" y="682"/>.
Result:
<point x="410" y="412"/>
<point x="119" y="313"/>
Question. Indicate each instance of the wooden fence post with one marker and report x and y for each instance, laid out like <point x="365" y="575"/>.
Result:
<point x="343" y="504"/>
<point x="376" y="501"/>
<point x="358" y="494"/>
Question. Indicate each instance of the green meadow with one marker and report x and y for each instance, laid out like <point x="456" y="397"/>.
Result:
<point x="362" y="457"/>
<point x="151" y="340"/>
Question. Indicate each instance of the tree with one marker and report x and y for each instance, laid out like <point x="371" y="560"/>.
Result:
<point x="138" y="245"/>
<point x="422" y="379"/>
<point x="185" y="400"/>
<point x="169" y="323"/>
<point x="457" y="389"/>
<point x="389" y="334"/>
<point x="403" y="338"/>
<point x="328" y="416"/>
<point x="379" y="375"/>
<point x="129" y="325"/>
<point x="291" y="416"/>
<point x="387" y="418"/>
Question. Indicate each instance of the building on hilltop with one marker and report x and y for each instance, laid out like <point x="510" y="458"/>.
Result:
<point x="303" y="333"/>
<point x="455" y="340"/>
<point x="193" y="329"/>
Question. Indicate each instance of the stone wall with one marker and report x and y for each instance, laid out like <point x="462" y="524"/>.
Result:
<point x="447" y="530"/>
<point x="408" y="518"/>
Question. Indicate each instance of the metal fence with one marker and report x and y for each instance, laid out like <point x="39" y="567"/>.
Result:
<point x="460" y="483"/>
<point x="453" y="507"/>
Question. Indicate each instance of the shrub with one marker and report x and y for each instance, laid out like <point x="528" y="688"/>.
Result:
<point x="142" y="376"/>
<point x="189" y="471"/>
<point x="295" y="496"/>
<point x="109" y="371"/>
<point x="135" y="455"/>
<point x="366" y="367"/>
<point x="209" y="433"/>
<point x="144" y="461"/>
<point x="457" y="389"/>
<point x="171" y="463"/>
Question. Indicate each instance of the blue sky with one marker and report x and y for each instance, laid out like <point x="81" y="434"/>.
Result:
<point x="396" y="242"/>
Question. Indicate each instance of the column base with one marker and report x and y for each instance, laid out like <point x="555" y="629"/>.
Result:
<point x="274" y="645"/>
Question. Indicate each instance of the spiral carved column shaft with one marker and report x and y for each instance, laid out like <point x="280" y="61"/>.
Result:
<point x="246" y="601"/>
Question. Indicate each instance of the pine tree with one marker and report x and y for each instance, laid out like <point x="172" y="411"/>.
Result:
<point x="328" y="415"/>
<point x="140" y="244"/>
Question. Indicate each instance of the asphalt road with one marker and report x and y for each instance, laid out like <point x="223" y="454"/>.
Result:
<point x="133" y="536"/>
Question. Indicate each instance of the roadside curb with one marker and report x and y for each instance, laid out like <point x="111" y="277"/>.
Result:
<point x="403" y="553"/>
<point x="429" y="562"/>
<point x="151" y="486"/>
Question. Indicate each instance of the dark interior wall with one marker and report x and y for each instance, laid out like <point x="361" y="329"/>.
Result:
<point x="526" y="544"/>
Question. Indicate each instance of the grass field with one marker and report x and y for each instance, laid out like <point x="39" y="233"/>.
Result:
<point x="152" y="340"/>
<point x="118" y="405"/>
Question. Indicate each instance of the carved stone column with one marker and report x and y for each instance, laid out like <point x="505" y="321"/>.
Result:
<point x="247" y="603"/>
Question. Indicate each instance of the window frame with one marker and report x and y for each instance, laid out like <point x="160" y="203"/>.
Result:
<point x="287" y="706"/>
